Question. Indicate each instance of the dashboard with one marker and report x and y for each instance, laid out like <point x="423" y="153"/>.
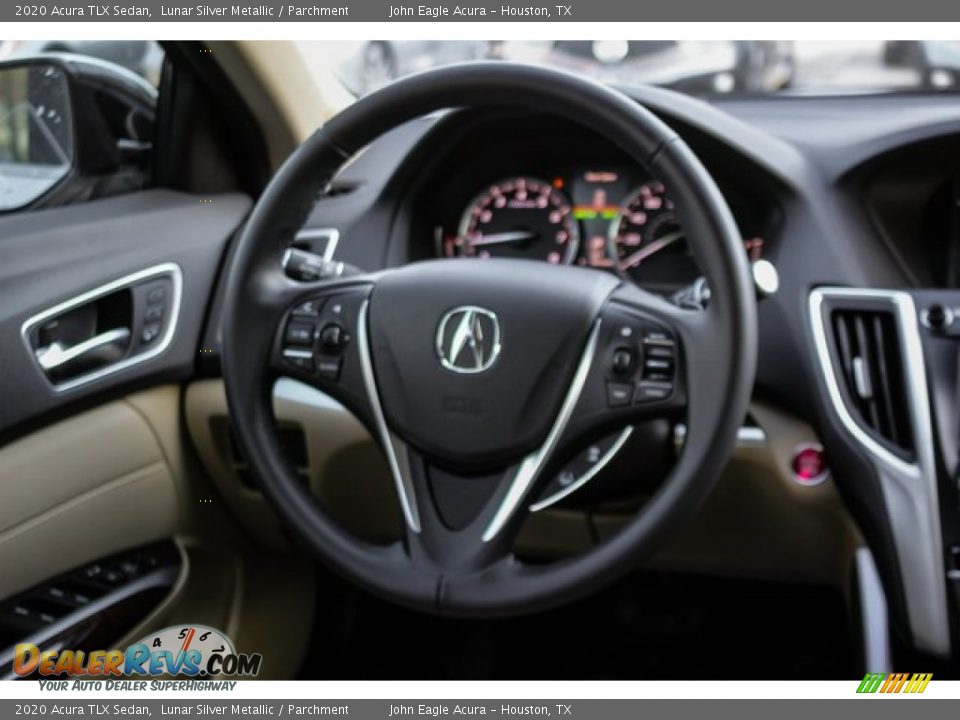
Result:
<point x="841" y="192"/>
<point x="497" y="198"/>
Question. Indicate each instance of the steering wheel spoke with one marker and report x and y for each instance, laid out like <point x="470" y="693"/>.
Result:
<point x="633" y="368"/>
<point x="453" y="509"/>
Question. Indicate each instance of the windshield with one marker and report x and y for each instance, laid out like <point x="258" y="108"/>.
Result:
<point x="695" y="67"/>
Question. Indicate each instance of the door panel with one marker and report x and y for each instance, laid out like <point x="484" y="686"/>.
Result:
<point x="82" y="473"/>
<point x="79" y="490"/>
<point x="50" y="257"/>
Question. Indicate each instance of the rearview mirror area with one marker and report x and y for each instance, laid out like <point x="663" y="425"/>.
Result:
<point x="36" y="132"/>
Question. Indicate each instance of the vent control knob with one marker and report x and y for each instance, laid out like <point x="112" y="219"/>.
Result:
<point x="937" y="317"/>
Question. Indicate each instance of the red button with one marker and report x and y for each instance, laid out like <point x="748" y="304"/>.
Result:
<point x="809" y="465"/>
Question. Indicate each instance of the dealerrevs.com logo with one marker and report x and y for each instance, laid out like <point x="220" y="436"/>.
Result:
<point x="888" y="683"/>
<point x="194" y="651"/>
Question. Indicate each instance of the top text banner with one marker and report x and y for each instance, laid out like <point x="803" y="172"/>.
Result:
<point x="482" y="10"/>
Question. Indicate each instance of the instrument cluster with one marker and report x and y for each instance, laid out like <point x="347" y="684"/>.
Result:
<point x="613" y="218"/>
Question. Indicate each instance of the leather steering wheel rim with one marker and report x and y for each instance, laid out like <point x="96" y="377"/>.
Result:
<point x="719" y="389"/>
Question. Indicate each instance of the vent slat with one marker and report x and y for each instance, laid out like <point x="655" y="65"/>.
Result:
<point x="870" y="366"/>
<point x="882" y="351"/>
<point x="842" y="330"/>
<point x="866" y="355"/>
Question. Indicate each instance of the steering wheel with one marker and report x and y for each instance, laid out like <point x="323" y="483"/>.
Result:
<point x="478" y="377"/>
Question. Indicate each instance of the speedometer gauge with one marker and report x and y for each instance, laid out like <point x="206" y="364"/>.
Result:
<point x="521" y="217"/>
<point x="649" y="242"/>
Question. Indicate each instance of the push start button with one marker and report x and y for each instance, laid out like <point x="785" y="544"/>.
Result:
<point x="809" y="464"/>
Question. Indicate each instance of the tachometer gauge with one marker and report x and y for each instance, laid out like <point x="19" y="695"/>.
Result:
<point x="521" y="217"/>
<point x="649" y="243"/>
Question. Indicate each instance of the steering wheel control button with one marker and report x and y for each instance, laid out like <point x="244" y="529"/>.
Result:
<point x="622" y="361"/>
<point x="619" y="394"/>
<point x="659" y="361"/>
<point x="309" y="309"/>
<point x="652" y="392"/>
<point x="658" y="366"/>
<point x="333" y="338"/>
<point x="299" y="333"/>
<point x="329" y="368"/>
<point x="660" y="351"/>
<point x="657" y="369"/>
<point x="658" y="337"/>
<point x="300" y="359"/>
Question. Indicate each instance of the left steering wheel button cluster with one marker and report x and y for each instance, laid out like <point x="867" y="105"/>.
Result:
<point x="299" y="338"/>
<point x="315" y="336"/>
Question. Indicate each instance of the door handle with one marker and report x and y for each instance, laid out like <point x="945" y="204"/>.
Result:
<point x="55" y="355"/>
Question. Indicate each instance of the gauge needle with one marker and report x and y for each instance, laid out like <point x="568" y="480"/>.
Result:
<point x="502" y="238"/>
<point x="645" y="252"/>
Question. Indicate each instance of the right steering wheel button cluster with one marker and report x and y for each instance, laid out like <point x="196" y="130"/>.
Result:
<point x="643" y="363"/>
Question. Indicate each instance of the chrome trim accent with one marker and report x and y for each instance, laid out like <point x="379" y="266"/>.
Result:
<point x="748" y="436"/>
<point x="533" y="463"/>
<point x="599" y="465"/>
<point x="294" y="391"/>
<point x="873" y="614"/>
<point x="393" y="447"/>
<point x="467" y="335"/>
<point x="56" y="355"/>
<point x="332" y="235"/>
<point x="861" y="379"/>
<point x="176" y="277"/>
<point x="909" y="488"/>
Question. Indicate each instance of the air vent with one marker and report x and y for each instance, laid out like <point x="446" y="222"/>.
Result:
<point x="870" y="369"/>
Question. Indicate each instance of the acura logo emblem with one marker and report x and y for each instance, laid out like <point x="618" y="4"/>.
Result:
<point x="468" y="339"/>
